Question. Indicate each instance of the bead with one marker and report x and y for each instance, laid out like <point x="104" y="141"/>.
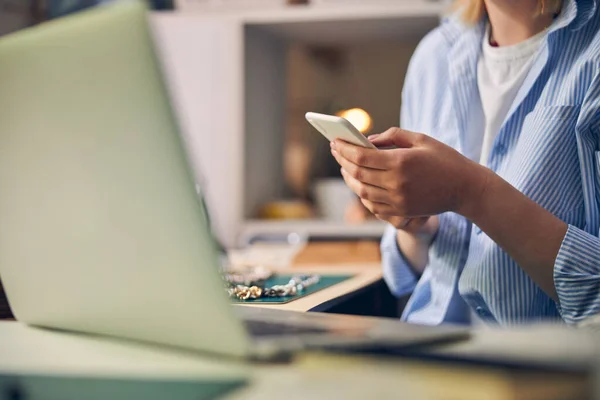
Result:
<point x="297" y="284"/>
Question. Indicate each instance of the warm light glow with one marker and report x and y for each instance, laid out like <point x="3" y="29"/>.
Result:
<point x="357" y="117"/>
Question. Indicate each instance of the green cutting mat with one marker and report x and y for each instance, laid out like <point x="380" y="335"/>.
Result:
<point x="325" y="282"/>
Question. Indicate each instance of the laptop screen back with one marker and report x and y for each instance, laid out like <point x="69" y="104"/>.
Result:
<point x="101" y="229"/>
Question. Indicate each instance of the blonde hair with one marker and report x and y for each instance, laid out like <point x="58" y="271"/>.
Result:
<point x="473" y="10"/>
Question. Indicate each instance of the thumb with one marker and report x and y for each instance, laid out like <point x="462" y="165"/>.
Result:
<point x="394" y="137"/>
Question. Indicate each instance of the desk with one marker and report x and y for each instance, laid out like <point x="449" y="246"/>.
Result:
<point x="358" y="258"/>
<point x="314" y="376"/>
<point x="364" y="276"/>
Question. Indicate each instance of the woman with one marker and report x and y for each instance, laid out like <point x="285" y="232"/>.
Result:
<point x="494" y="204"/>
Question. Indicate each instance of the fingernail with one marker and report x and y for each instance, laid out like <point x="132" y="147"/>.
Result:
<point x="373" y="137"/>
<point x="333" y="152"/>
<point x="332" y="144"/>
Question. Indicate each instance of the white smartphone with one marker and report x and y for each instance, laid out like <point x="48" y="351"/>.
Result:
<point x="333" y="127"/>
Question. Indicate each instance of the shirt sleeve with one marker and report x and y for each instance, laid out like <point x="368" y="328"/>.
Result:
<point x="450" y="239"/>
<point x="399" y="275"/>
<point x="577" y="265"/>
<point x="577" y="276"/>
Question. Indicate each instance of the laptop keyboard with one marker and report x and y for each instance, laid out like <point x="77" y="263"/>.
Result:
<point x="262" y="328"/>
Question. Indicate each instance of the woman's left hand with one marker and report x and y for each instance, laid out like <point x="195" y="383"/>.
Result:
<point x="420" y="177"/>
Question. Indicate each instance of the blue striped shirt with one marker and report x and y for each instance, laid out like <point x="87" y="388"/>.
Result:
<point x="548" y="148"/>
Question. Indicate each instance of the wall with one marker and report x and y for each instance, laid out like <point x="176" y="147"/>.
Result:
<point x="365" y="75"/>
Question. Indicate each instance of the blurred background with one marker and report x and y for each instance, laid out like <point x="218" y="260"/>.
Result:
<point x="242" y="74"/>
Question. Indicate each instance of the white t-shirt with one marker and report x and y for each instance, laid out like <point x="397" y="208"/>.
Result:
<point x="500" y="73"/>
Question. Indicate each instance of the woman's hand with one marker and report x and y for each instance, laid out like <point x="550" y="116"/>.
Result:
<point x="419" y="178"/>
<point x="425" y="177"/>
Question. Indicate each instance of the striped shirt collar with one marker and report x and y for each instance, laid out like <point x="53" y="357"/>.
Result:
<point x="465" y="40"/>
<point x="575" y="14"/>
<point x="465" y="47"/>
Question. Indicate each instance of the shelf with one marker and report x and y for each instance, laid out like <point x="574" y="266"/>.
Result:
<point x="357" y="23"/>
<point x="311" y="228"/>
<point x="335" y="24"/>
<point x="234" y="63"/>
<point x="321" y="12"/>
<point x="353" y="30"/>
<point x="344" y="13"/>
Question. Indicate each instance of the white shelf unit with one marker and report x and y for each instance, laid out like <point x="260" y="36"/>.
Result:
<point x="226" y="73"/>
<point x="304" y="228"/>
<point x="354" y="23"/>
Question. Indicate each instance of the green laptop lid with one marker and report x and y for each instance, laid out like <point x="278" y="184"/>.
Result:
<point x="101" y="227"/>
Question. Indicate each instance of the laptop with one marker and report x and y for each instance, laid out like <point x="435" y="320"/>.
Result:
<point x="102" y="229"/>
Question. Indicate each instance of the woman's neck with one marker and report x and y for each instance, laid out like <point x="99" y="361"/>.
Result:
<point x="513" y="21"/>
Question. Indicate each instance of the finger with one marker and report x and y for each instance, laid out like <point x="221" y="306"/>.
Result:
<point x="395" y="221"/>
<point x="396" y="137"/>
<point x="375" y="177"/>
<point x="417" y="222"/>
<point x="377" y="208"/>
<point x="384" y="139"/>
<point x="410" y="225"/>
<point x="415" y="225"/>
<point x="366" y="191"/>
<point x="370" y="158"/>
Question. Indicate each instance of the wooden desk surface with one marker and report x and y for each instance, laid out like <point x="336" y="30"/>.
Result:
<point x="364" y="275"/>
